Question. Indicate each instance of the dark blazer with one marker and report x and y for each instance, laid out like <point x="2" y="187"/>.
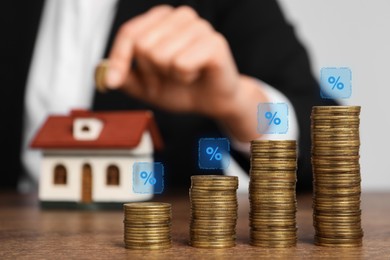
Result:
<point x="264" y="46"/>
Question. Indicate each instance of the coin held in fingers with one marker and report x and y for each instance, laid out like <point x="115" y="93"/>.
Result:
<point x="100" y="75"/>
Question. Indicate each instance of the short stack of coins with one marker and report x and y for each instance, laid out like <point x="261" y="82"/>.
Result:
<point x="213" y="211"/>
<point x="336" y="176"/>
<point x="272" y="193"/>
<point x="147" y="225"/>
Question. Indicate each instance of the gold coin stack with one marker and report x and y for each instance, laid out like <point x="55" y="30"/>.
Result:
<point x="272" y="196"/>
<point x="147" y="225"/>
<point x="336" y="176"/>
<point x="213" y="211"/>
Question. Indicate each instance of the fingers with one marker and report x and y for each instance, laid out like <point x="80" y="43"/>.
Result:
<point x="122" y="52"/>
<point x="166" y="27"/>
<point x="147" y="75"/>
<point x="170" y="46"/>
<point x="207" y="54"/>
<point x="181" y="32"/>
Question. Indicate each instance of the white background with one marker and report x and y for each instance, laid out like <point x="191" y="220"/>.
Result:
<point x="354" y="34"/>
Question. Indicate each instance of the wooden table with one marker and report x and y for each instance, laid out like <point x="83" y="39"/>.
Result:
<point x="26" y="231"/>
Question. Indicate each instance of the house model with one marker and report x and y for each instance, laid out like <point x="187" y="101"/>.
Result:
<point x="88" y="157"/>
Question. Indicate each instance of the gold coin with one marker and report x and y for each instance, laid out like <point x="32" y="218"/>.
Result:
<point x="212" y="195"/>
<point x="147" y="240"/>
<point x="327" y="117"/>
<point x="279" y="244"/>
<point x="145" y="235"/>
<point x="349" y="174"/>
<point x="139" y="212"/>
<point x="212" y="244"/>
<point x="147" y="205"/>
<point x="270" y="215"/>
<point x="335" y="124"/>
<point x="274" y="235"/>
<point x="339" y="109"/>
<point x="195" y="193"/>
<point x="194" y="199"/>
<point x="333" y="130"/>
<point x="340" y="169"/>
<point x="340" y="231"/>
<point x="274" y="142"/>
<point x="341" y="158"/>
<point x="147" y="217"/>
<point x="214" y="188"/>
<point x="350" y="177"/>
<point x="214" y="209"/>
<point x="263" y="173"/>
<point x="346" y="221"/>
<point x="338" y="240"/>
<point x="337" y="234"/>
<point x="272" y="206"/>
<point x="277" y="229"/>
<point x="337" y="200"/>
<point x="272" y="222"/>
<point x="335" y="153"/>
<point x="336" y="185"/>
<point x="344" y="225"/>
<point x="276" y="181"/>
<point x="100" y="75"/>
<point x="149" y="247"/>
<point x="344" y="245"/>
<point x="213" y="238"/>
<point x="221" y="178"/>
<point x="204" y="224"/>
<point x="266" y="154"/>
<point x="214" y="233"/>
<point x="338" y="213"/>
<point x="227" y="210"/>
<point x="148" y="222"/>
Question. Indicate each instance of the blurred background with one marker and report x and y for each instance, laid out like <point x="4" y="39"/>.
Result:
<point x="354" y="34"/>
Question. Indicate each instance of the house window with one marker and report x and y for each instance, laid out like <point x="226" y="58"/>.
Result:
<point x="112" y="175"/>
<point x="60" y="174"/>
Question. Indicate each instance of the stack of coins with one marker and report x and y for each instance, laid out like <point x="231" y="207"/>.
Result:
<point x="147" y="225"/>
<point x="336" y="176"/>
<point x="272" y="196"/>
<point x="213" y="211"/>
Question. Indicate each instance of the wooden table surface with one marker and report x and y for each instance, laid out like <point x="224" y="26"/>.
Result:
<point x="26" y="231"/>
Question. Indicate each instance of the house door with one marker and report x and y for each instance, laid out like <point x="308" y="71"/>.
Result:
<point x="86" y="184"/>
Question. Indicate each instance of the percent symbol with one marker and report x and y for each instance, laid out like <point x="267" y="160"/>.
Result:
<point x="272" y="118"/>
<point x="336" y="83"/>
<point x="148" y="178"/>
<point x="213" y="152"/>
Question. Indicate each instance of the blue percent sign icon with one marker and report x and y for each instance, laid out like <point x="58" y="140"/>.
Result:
<point x="213" y="152"/>
<point x="148" y="178"/>
<point x="336" y="83"/>
<point x="272" y="118"/>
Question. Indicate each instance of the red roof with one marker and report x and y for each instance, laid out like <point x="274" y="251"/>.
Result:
<point x="121" y="130"/>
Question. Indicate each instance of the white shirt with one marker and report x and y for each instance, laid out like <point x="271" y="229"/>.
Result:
<point x="71" y="40"/>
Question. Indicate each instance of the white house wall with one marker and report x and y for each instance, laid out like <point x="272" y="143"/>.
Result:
<point x="124" y="192"/>
<point x="100" y="191"/>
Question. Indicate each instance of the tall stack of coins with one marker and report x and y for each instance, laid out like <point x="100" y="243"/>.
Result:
<point x="336" y="172"/>
<point x="213" y="211"/>
<point x="147" y="225"/>
<point x="272" y="196"/>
